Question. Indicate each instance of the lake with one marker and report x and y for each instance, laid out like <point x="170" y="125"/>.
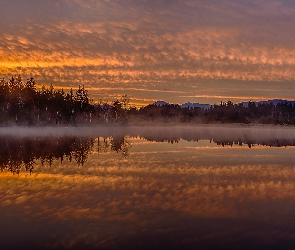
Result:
<point x="180" y="187"/>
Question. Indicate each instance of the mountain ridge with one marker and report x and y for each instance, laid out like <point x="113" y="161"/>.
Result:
<point x="192" y="105"/>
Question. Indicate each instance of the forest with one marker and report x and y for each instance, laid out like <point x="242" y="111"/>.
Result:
<point x="21" y="103"/>
<point x="226" y="112"/>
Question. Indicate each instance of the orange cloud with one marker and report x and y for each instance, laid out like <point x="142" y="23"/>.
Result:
<point x="173" y="48"/>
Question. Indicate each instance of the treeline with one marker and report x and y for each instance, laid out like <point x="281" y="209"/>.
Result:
<point x="226" y="112"/>
<point x="21" y="103"/>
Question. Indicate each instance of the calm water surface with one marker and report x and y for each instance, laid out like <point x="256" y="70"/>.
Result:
<point x="131" y="188"/>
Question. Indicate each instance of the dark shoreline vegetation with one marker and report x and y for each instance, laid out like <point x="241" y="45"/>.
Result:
<point x="22" y="104"/>
<point x="24" y="147"/>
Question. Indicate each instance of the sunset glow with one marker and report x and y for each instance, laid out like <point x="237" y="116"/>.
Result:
<point x="177" y="51"/>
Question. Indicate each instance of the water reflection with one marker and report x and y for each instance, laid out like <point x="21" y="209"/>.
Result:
<point x="180" y="195"/>
<point x="18" y="153"/>
<point x="21" y="148"/>
<point x="225" y="136"/>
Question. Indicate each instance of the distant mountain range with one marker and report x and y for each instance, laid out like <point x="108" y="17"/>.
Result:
<point x="185" y="105"/>
<point x="274" y="102"/>
<point x="207" y="106"/>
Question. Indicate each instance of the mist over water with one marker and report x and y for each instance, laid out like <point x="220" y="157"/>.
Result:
<point x="265" y="135"/>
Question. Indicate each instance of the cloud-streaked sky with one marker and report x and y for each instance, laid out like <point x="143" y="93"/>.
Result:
<point x="173" y="50"/>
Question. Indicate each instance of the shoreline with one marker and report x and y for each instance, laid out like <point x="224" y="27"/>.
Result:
<point x="147" y="124"/>
<point x="150" y="129"/>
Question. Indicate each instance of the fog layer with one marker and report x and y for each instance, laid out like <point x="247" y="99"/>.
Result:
<point x="266" y="135"/>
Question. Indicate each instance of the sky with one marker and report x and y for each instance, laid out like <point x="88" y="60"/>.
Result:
<point x="178" y="51"/>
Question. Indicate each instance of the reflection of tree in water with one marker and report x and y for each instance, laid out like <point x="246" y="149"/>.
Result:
<point x="80" y="150"/>
<point x="163" y="139"/>
<point x="22" y="153"/>
<point x="250" y="143"/>
<point x="118" y="144"/>
<point x="103" y="145"/>
<point x="18" y="153"/>
<point x="223" y="140"/>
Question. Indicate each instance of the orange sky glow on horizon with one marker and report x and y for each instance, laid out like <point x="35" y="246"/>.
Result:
<point x="176" y="51"/>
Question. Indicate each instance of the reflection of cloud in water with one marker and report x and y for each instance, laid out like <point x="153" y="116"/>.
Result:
<point x="185" y="193"/>
<point x="147" y="191"/>
<point x="140" y="198"/>
<point x="21" y="147"/>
